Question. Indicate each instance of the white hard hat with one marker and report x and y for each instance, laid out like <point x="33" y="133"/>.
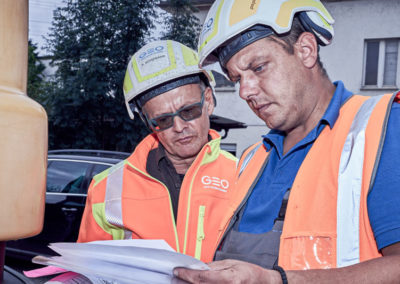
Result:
<point x="156" y="68"/>
<point x="243" y="22"/>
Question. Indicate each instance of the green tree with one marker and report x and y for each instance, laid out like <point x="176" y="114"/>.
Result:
<point x="90" y="42"/>
<point x="182" y="26"/>
<point x="36" y="82"/>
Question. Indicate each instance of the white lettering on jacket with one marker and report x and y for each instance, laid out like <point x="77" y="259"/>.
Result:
<point x="215" y="183"/>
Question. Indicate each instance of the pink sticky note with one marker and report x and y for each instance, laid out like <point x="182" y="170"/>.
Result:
<point x="70" y="278"/>
<point x="44" y="271"/>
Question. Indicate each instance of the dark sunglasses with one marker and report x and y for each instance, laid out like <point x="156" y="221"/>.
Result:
<point x="187" y="113"/>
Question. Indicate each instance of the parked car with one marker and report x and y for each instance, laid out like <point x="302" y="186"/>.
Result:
<point x="69" y="173"/>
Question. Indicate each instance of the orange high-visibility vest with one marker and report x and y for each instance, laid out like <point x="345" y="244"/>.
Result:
<point x="126" y="202"/>
<point x="326" y="223"/>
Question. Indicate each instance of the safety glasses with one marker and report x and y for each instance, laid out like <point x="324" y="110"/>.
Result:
<point x="187" y="113"/>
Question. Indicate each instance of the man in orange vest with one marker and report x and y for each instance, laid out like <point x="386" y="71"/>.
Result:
<point x="178" y="183"/>
<point x="323" y="185"/>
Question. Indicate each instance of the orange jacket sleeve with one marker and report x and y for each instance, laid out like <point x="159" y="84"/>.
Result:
<point x="89" y="229"/>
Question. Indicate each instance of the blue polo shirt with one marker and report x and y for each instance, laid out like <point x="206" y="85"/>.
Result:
<point x="265" y="201"/>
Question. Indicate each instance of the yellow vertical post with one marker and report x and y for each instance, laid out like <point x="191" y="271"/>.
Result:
<point x="23" y="131"/>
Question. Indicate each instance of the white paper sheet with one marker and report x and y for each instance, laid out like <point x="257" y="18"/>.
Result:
<point x="132" y="261"/>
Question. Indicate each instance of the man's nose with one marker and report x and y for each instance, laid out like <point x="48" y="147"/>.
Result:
<point x="248" y="87"/>
<point x="179" y="124"/>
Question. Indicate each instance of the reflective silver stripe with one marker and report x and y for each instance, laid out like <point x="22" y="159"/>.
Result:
<point x="248" y="158"/>
<point x="349" y="187"/>
<point x="113" y="206"/>
<point x="127" y="234"/>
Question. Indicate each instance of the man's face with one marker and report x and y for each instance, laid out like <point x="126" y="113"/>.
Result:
<point x="273" y="83"/>
<point x="184" y="139"/>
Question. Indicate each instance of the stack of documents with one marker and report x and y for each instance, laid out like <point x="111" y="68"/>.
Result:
<point x="125" y="261"/>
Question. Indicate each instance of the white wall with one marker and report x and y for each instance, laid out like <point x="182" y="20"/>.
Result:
<point x="356" y="21"/>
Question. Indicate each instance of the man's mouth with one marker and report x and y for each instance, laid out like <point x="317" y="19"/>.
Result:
<point x="185" y="140"/>
<point x="261" y="107"/>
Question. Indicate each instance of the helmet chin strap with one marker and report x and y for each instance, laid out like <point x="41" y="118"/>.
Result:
<point x="134" y="107"/>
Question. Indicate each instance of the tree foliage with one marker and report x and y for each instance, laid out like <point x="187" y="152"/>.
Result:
<point x="90" y="42"/>
<point x="36" y="81"/>
<point x="182" y="26"/>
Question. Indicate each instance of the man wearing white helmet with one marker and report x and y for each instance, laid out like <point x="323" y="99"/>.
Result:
<point x="323" y="185"/>
<point x="177" y="185"/>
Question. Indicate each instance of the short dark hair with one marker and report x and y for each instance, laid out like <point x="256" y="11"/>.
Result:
<point x="291" y="37"/>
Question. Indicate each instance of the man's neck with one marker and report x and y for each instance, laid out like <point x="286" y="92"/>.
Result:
<point x="181" y="165"/>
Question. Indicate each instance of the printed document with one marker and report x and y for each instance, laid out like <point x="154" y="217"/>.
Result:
<point x="120" y="261"/>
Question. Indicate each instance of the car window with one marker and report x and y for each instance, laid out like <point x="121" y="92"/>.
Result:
<point x="66" y="176"/>
<point x="98" y="168"/>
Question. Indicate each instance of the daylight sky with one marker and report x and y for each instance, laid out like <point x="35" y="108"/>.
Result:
<point x="40" y="18"/>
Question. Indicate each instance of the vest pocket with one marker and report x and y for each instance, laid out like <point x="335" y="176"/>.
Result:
<point x="200" y="231"/>
<point x="261" y="249"/>
<point x="307" y="252"/>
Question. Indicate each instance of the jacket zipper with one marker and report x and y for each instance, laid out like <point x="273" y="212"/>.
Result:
<point x="200" y="231"/>
<point x="188" y="207"/>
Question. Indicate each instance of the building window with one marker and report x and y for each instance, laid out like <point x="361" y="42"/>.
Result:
<point x="391" y="59"/>
<point x="229" y="147"/>
<point x="381" y="63"/>
<point x="222" y="82"/>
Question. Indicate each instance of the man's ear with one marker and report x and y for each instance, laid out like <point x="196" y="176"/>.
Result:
<point x="307" y="49"/>
<point x="209" y="100"/>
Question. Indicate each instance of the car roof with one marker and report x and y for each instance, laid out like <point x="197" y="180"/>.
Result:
<point x="103" y="156"/>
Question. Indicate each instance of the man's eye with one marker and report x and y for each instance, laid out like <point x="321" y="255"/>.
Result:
<point x="188" y="110"/>
<point x="161" y="120"/>
<point x="259" y="68"/>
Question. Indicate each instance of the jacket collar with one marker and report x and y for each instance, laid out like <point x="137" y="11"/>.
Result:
<point x="150" y="142"/>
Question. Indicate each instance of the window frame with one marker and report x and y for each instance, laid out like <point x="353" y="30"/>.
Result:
<point x="226" y="88"/>
<point x="381" y="65"/>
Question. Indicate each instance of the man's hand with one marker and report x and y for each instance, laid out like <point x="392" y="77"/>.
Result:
<point x="384" y="269"/>
<point x="229" y="271"/>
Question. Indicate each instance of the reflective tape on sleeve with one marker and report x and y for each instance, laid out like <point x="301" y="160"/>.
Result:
<point x="113" y="204"/>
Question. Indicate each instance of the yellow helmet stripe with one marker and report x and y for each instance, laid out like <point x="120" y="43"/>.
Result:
<point x="189" y="57"/>
<point x="215" y="28"/>
<point x="285" y="12"/>
<point x="242" y="10"/>
<point x="127" y="82"/>
<point x="172" y="60"/>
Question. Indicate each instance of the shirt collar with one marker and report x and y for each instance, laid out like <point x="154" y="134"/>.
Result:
<point x="341" y="95"/>
<point x="160" y="153"/>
